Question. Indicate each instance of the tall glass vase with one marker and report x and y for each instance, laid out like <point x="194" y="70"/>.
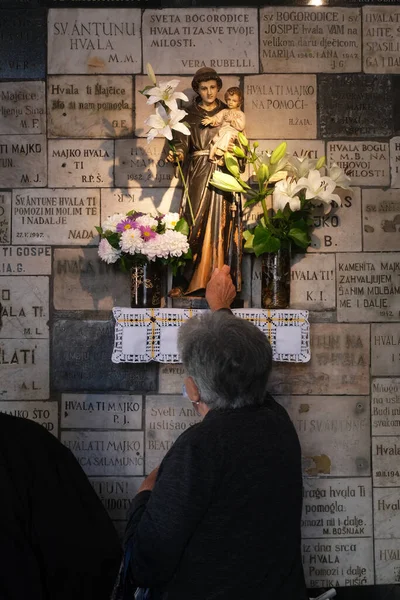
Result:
<point x="147" y="285"/>
<point x="275" y="279"/>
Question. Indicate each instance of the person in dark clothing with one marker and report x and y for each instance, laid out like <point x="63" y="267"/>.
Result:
<point x="56" y="539"/>
<point x="220" y="518"/>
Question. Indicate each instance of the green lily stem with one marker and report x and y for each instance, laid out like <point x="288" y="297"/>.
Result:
<point x="265" y="211"/>
<point x="183" y="180"/>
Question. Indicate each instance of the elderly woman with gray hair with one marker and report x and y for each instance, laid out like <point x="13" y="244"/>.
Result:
<point x="220" y="518"/>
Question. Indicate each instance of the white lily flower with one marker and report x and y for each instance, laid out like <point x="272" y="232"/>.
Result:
<point x="165" y="92"/>
<point x="319" y="188"/>
<point x="339" y="177"/>
<point x="285" y="192"/>
<point x="302" y="165"/>
<point x="162" y="123"/>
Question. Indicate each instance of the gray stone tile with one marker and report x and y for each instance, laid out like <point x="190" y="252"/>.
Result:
<point x="385" y="407"/>
<point x="116" y="494"/>
<point x="149" y="200"/>
<point x="24" y="307"/>
<point x="366" y="162"/>
<point x="312" y="284"/>
<point x="387" y="513"/>
<point x="44" y="413"/>
<point x="171" y="378"/>
<point x="5" y="217"/>
<point x="385" y="349"/>
<point x="23" y="160"/>
<point x="387" y="561"/>
<point x="23" y="108"/>
<point x="25" y="369"/>
<point x="81" y="163"/>
<point x="141" y="164"/>
<point x="22" y="43"/>
<point x="381" y="219"/>
<point x="385" y="461"/>
<point x="101" y="411"/>
<point x="381" y="39"/>
<point x="395" y="161"/>
<point x="25" y="260"/>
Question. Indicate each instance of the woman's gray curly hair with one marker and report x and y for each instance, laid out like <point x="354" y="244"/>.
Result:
<point x="229" y="359"/>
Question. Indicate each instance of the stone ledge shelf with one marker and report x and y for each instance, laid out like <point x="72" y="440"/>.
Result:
<point x="144" y="335"/>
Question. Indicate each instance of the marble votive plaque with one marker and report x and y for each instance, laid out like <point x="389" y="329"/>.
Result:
<point x="24" y="307"/>
<point x="367" y="163"/>
<point x="385" y="349"/>
<point x="81" y="360"/>
<point x="84" y="282"/>
<point x="368" y="287"/>
<point x="334" y="433"/>
<point x="23" y="161"/>
<point x="281" y="106"/>
<point x="25" y="260"/>
<point x="387" y="561"/>
<point x="116" y="494"/>
<point x="395" y="161"/>
<point x="149" y="200"/>
<point x="139" y="164"/>
<point x="107" y="452"/>
<point x="22" y="43"/>
<point x="332" y="563"/>
<point x="381" y="39"/>
<point x="101" y="411"/>
<point x="337" y="507"/>
<point x="381" y="220"/>
<point x="385" y="461"/>
<point x="94" y="40"/>
<point x="44" y="413"/>
<point x="81" y="163"/>
<point x="56" y="216"/>
<point x="310" y="39"/>
<point x="340" y="229"/>
<point x="184" y="40"/>
<point x="22" y="108"/>
<point x="171" y="378"/>
<point x="166" y="418"/>
<point x="348" y="105"/>
<point x="312" y="284"/>
<point x="385" y="407"/>
<point x="386" y="513"/>
<point x="24" y="373"/>
<point x="339" y="364"/>
<point x="5" y="218"/>
<point x="89" y="107"/>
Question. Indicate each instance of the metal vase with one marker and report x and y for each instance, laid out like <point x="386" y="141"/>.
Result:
<point x="147" y="285"/>
<point x="275" y="279"/>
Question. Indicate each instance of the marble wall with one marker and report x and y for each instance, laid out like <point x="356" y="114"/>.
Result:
<point x="73" y="151"/>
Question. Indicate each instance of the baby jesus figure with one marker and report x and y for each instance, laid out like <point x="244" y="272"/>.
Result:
<point x="230" y="120"/>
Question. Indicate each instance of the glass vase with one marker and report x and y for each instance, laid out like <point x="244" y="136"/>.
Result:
<point x="275" y="279"/>
<point x="147" y="285"/>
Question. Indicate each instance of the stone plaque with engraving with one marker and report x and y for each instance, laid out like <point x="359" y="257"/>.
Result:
<point x="24" y="369"/>
<point x="385" y="349"/>
<point x="395" y="162"/>
<point x="281" y="106"/>
<point x="81" y="360"/>
<point x="24" y="307"/>
<point x="58" y="216"/>
<point x="84" y="282"/>
<point x="22" y="44"/>
<point x="23" y="161"/>
<point x="107" y="452"/>
<point x="139" y="164"/>
<point x="385" y="461"/>
<point x="381" y="39"/>
<point x="313" y="282"/>
<point x="184" y="40"/>
<point x="171" y="378"/>
<point x="386" y="513"/>
<point x="367" y="163"/>
<point x="89" y="107"/>
<point x="348" y="105"/>
<point x="310" y="40"/>
<point x="337" y="507"/>
<point x="22" y="107"/>
<point x="144" y="110"/>
<point x="387" y="561"/>
<point x="166" y="418"/>
<point x="101" y="411"/>
<point x="5" y="218"/>
<point x="385" y="407"/>
<point x="339" y="363"/>
<point x="368" y="287"/>
<point x="332" y="563"/>
<point x="44" y="413"/>
<point x="381" y="220"/>
<point x="340" y="229"/>
<point x="334" y="433"/>
<point x="94" y="41"/>
<point x="25" y="260"/>
<point x="116" y="494"/>
<point x="149" y="200"/>
<point x="81" y="163"/>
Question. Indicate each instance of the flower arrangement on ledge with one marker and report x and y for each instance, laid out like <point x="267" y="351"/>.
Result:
<point x="136" y="238"/>
<point x="297" y="187"/>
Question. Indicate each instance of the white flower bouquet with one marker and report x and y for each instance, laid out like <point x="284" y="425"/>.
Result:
<point x="136" y="238"/>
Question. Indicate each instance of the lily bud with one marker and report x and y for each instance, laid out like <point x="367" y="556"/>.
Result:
<point x="320" y="162"/>
<point x="226" y="182"/>
<point x="255" y="145"/>
<point x="238" y="152"/>
<point x="232" y="164"/>
<point x="151" y="74"/>
<point x="243" y="139"/>
<point x="262" y="173"/>
<point x="278" y="153"/>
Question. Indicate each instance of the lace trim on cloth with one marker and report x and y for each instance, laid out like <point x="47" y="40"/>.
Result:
<point x="143" y="335"/>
